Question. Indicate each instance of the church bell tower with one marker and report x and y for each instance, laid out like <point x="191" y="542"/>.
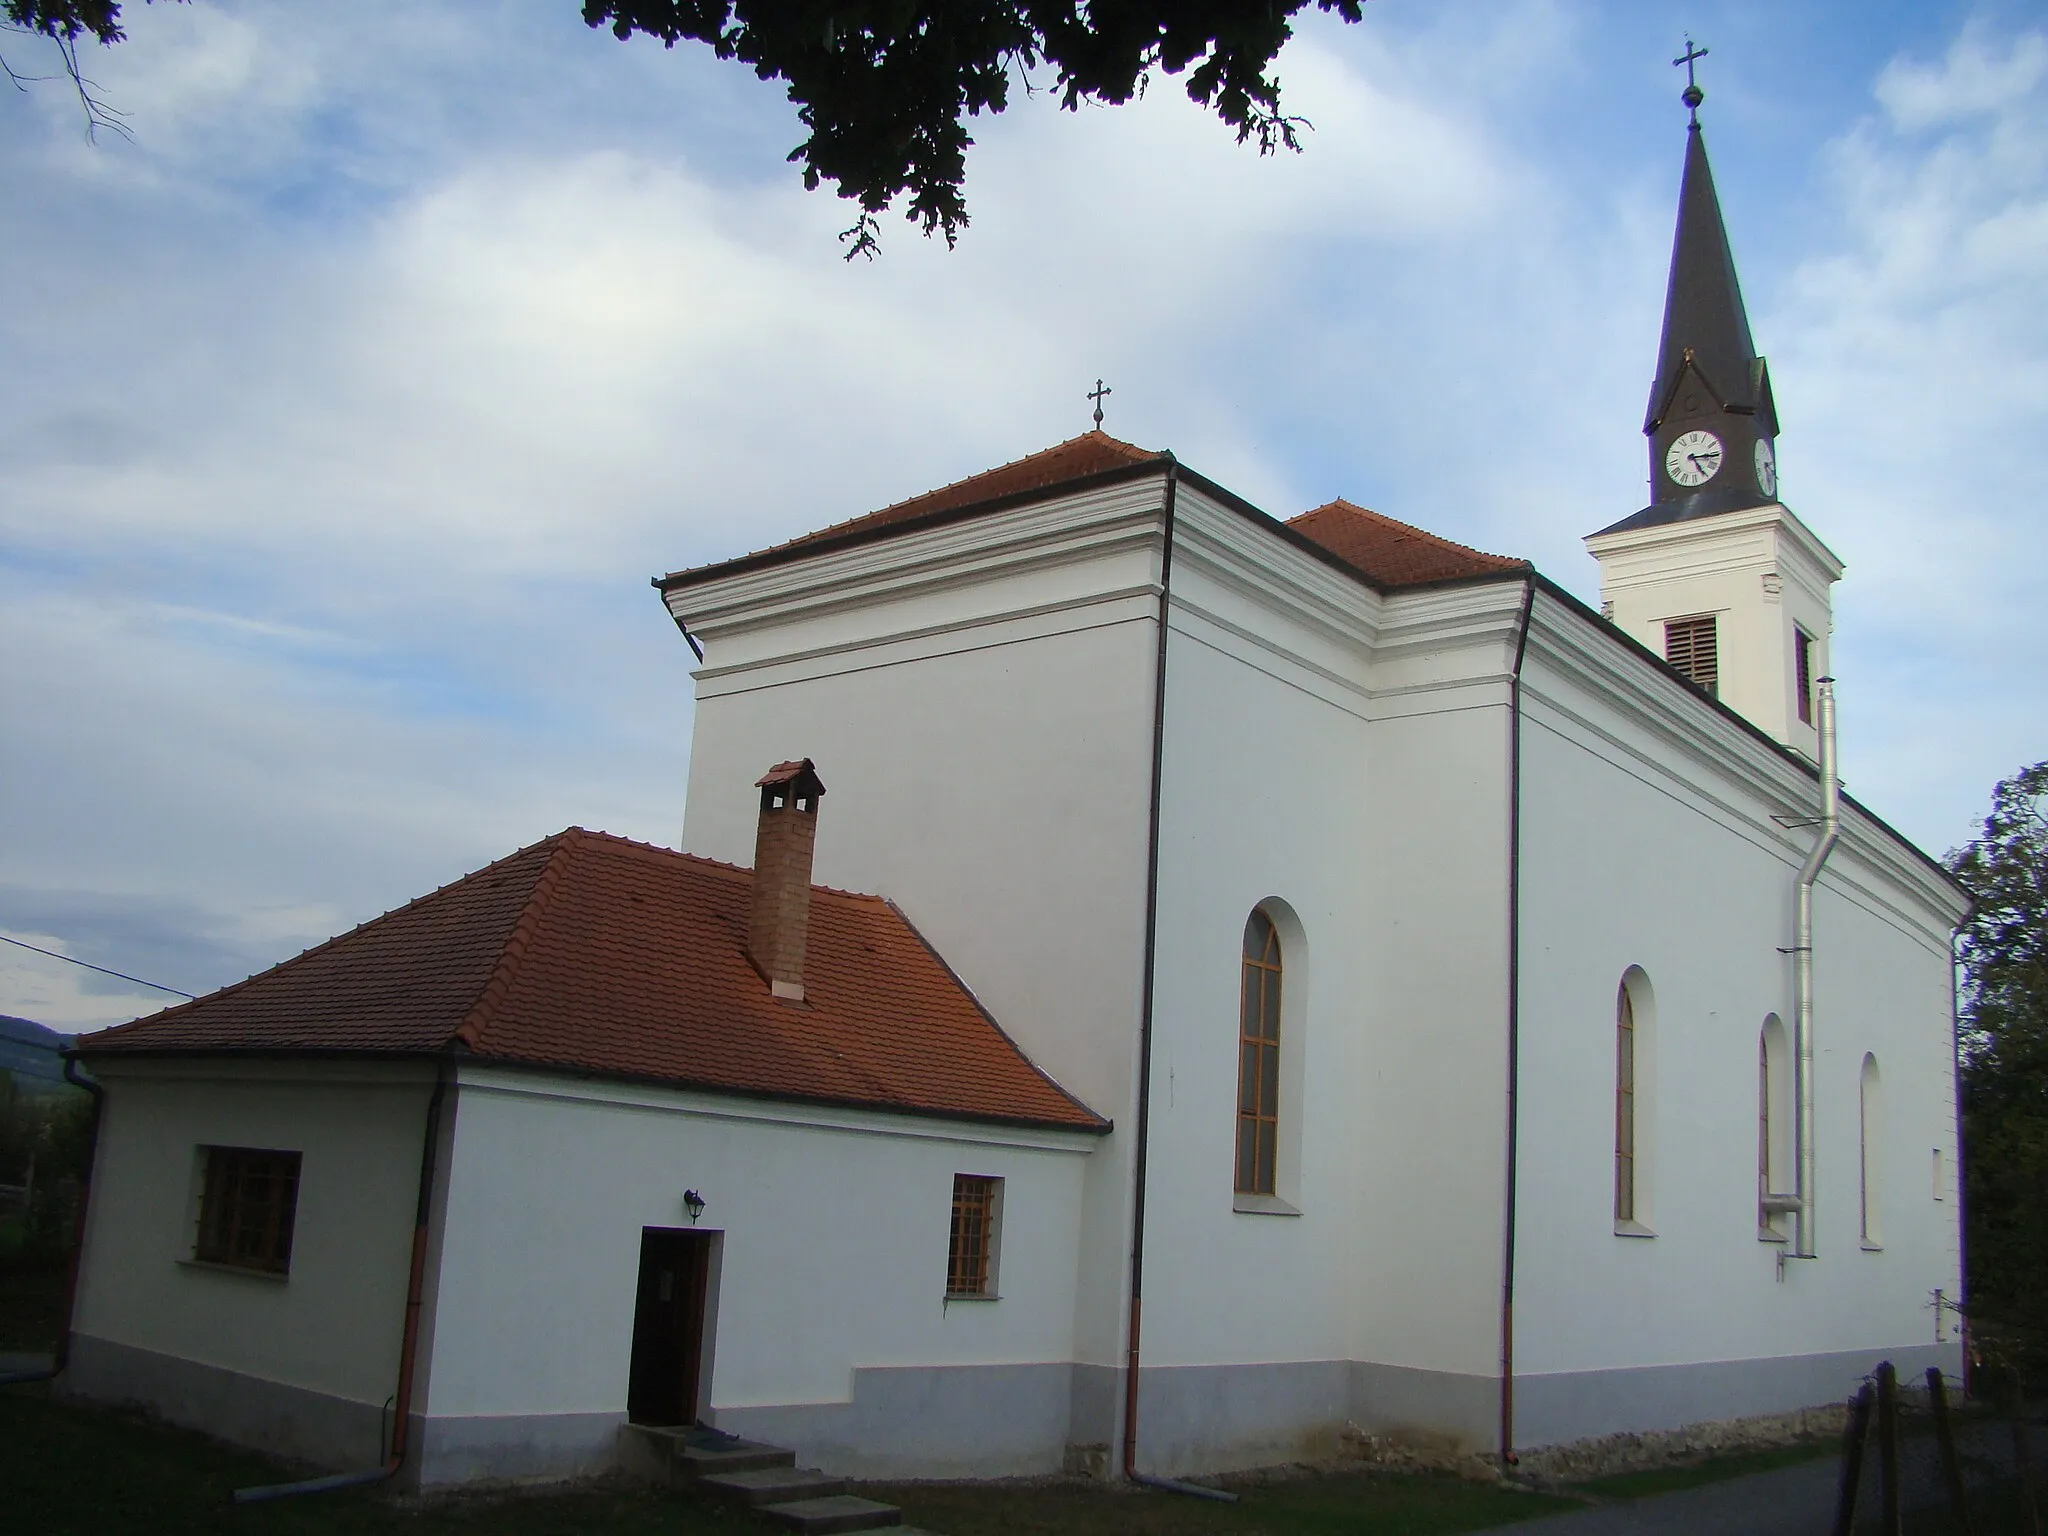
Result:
<point x="1716" y="575"/>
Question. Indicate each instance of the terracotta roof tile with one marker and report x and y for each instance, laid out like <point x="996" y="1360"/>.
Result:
<point x="1387" y="553"/>
<point x="1092" y="453"/>
<point x="1391" y="553"/>
<point x="594" y="954"/>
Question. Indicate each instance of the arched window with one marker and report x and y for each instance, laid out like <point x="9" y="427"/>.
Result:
<point x="1258" y="1058"/>
<point x="1872" y="1140"/>
<point x="1773" y="1127"/>
<point x="1624" y="1106"/>
<point x="1635" y="1040"/>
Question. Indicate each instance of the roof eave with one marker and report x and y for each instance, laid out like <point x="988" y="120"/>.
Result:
<point x="1301" y="541"/>
<point x="1756" y="733"/>
<point x="1096" y="1125"/>
<point x="868" y="533"/>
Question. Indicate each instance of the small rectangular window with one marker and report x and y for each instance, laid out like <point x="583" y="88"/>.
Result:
<point x="1802" y="660"/>
<point x="971" y="1250"/>
<point x="1940" y="1185"/>
<point x="1693" y="647"/>
<point x="247" y="1206"/>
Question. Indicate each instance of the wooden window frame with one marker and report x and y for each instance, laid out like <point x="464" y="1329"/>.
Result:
<point x="1624" y="1108"/>
<point x="1693" y="648"/>
<point x="1260" y="981"/>
<point x="973" y="1238"/>
<point x="248" y="1208"/>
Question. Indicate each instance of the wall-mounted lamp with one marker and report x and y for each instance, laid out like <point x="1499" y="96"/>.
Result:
<point x="694" y="1204"/>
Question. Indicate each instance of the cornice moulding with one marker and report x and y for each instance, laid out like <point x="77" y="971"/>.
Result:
<point x="698" y="1105"/>
<point x="1772" y="518"/>
<point x="1064" y="531"/>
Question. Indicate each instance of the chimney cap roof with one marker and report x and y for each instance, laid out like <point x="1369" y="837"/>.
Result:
<point x="801" y="772"/>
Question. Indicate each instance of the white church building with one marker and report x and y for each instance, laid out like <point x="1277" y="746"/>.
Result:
<point x="1307" y="973"/>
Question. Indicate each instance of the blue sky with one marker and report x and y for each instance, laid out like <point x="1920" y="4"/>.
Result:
<point x="349" y="407"/>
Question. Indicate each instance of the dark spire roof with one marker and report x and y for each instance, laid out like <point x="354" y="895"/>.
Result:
<point x="1703" y="316"/>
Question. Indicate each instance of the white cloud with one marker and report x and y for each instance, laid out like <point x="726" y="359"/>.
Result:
<point x="65" y="997"/>
<point x="1915" y="352"/>
<point x="1981" y="74"/>
<point x="406" y="342"/>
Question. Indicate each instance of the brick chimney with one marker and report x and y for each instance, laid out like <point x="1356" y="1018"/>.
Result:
<point x="783" y="844"/>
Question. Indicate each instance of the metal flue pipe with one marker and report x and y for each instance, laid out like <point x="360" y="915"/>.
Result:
<point x="1802" y="963"/>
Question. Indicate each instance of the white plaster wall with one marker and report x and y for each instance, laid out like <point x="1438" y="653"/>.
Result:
<point x="978" y="700"/>
<point x="1640" y="848"/>
<point x="833" y="1249"/>
<point x="1367" y="791"/>
<point x="333" y="1325"/>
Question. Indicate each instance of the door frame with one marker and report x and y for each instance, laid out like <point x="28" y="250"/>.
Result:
<point x="707" y="1250"/>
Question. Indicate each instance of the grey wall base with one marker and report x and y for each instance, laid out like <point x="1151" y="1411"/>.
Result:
<point x="1007" y="1420"/>
<point x="333" y="1433"/>
<point x="1441" y="1410"/>
<point x="926" y="1421"/>
<point x="512" y="1447"/>
<point x="1580" y="1405"/>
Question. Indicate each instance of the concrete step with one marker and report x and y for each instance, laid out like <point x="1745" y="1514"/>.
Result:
<point x="836" y="1512"/>
<point x="667" y="1457"/>
<point x="774" y="1485"/>
<point x="695" y="1461"/>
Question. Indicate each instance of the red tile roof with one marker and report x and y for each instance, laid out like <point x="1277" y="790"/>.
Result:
<point x="1092" y="453"/>
<point x="1389" y="554"/>
<point x="1394" y="554"/>
<point x="590" y="953"/>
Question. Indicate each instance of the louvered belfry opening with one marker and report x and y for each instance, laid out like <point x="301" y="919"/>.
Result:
<point x="1693" y="647"/>
<point x="784" y="842"/>
<point x="1802" y="666"/>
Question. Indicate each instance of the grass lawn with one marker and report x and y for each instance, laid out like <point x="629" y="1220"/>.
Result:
<point x="82" y="1472"/>
<point x="77" y="1472"/>
<point x="1645" y="1485"/>
<point x="1335" y="1504"/>
<point x="70" y="1471"/>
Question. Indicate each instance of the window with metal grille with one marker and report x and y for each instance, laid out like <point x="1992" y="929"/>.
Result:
<point x="1625" y="1108"/>
<point x="971" y="1251"/>
<point x="1802" y="660"/>
<point x="1258" y="1058"/>
<point x="1692" y="647"/>
<point x="246" y="1208"/>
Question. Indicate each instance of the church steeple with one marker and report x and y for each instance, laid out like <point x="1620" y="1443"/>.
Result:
<point x="1711" y="421"/>
<point x="1716" y="575"/>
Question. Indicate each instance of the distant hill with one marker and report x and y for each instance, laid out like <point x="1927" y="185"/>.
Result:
<point x="28" y="1051"/>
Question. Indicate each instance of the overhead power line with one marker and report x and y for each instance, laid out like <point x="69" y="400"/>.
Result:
<point x="174" y="991"/>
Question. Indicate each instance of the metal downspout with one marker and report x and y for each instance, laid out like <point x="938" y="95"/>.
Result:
<point x="1955" y="1035"/>
<point x="1131" y="1352"/>
<point x="1507" y="1276"/>
<point x="408" y="1349"/>
<point x="1802" y="964"/>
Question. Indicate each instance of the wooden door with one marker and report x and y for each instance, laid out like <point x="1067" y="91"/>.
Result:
<point x="668" y="1326"/>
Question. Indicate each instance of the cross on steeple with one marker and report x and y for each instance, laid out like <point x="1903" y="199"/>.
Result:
<point x="1692" y="95"/>
<point x="1096" y="394"/>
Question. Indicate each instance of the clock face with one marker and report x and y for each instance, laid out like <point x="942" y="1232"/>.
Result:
<point x="1693" y="458"/>
<point x="1766" y="467"/>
